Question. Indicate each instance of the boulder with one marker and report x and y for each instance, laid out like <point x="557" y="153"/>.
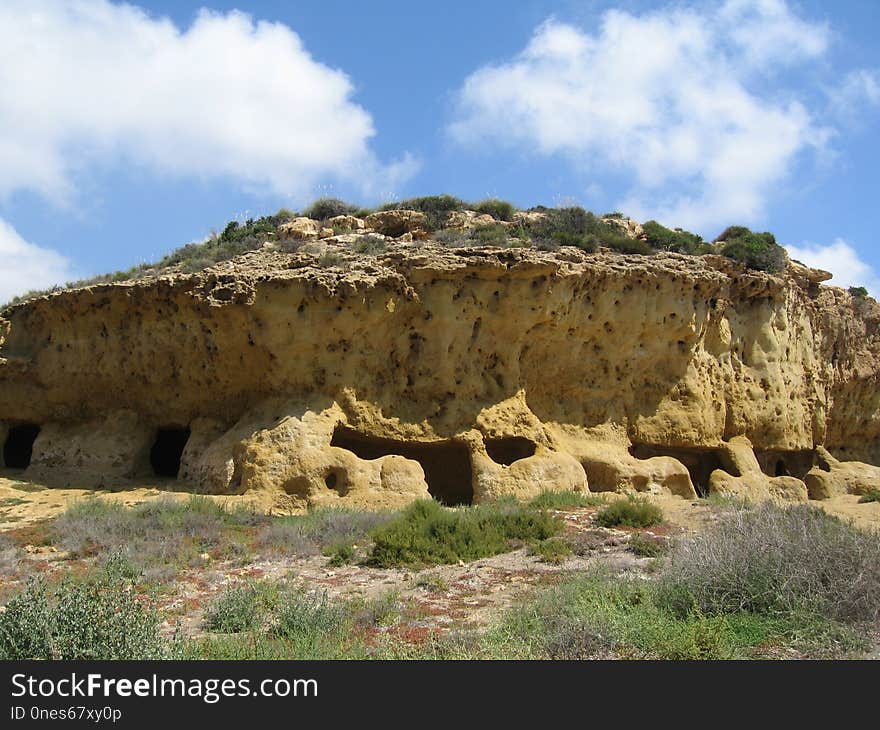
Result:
<point x="832" y="478"/>
<point x="610" y="467"/>
<point x="347" y="222"/>
<point x="628" y="226"/>
<point x="468" y="219"/>
<point x="299" y="229"/>
<point x="742" y="476"/>
<point x="395" y="223"/>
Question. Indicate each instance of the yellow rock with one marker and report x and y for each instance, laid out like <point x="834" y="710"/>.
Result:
<point x="467" y="374"/>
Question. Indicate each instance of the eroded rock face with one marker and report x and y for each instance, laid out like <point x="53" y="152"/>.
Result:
<point x="466" y="374"/>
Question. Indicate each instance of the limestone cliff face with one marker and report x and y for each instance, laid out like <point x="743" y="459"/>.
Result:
<point x="467" y="373"/>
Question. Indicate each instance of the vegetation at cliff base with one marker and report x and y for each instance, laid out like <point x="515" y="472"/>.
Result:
<point x="630" y="512"/>
<point x="760" y="582"/>
<point x="427" y="533"/>
<point x="96" y="617"/>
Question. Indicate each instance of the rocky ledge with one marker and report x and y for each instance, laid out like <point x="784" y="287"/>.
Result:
<point x="334" y="371"/>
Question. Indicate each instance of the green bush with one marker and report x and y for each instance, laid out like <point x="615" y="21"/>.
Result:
<point x="858" y="292"/>
<point x="240" y="607"/>
<point x="325" y="208"/>
<point x="452" y="237"/>
<point x="664" y="239"/>
<point x="778" y="560"/>
<point x="646" y="547"/>
<point x="585" y="241"/>
<point x="427" y="534"/>
<point x="435" y="207"/>
<point x="340" y="554"/>
<point x="630" y="512"/>
<point x="370" y="245"/>
<point x="311" y="625"/>
<point x="627" y="245"/>
<point x="872" y="495"/>
<point x="554" y="550"/>
<point x="496" y="235"/>
<point x="565" y="500"/>
<point x="756" y="250"/>
<point x="598" y="616"/>
<point x="575" y="226"/>
<point x="100" y="617"/>
<point x="500" y="210"/>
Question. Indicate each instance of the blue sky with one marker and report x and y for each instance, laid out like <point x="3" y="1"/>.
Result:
<point x="128" y="130"/>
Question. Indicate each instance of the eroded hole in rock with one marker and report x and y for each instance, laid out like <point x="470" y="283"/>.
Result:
<point x="447" y="464"/>
<point x="509" y="449"/>
<point x="19" y="445"/>
<point x="775" y="463"/>
<point x="337" y="480"/>
<point x="699" y="462"/>
<point x="167" y="451"/>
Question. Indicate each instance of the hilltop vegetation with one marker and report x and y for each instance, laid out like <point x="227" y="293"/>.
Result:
<point x="551" y="229"/>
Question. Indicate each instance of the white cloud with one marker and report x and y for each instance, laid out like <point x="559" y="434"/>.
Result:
<point x="85" y="82"/>
<point x="768" y="32"/>
<point x="676" y="99"/>
<point x="26" y="266"/>
<point x="840" y="259"/>
<point x="858" y="92"/>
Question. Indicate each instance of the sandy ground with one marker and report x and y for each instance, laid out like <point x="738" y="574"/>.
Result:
<point x="23" y="503"/>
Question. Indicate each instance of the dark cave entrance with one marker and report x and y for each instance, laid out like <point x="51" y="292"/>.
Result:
<point x="777" y="463"/>
<point x="19" y="446"/>
<point x="447" y="464"/>
<point x="699" y="462"/>
<point x="167" y="451"/>
<point x="509" y="449"/>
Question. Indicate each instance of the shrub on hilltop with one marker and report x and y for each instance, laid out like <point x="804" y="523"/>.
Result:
<point x="500" y="210"/>
<point x="756" y="250"/>
<point x="435" y="207"/>
<point x="662" y="238"/>
<point x="325" y="208"/>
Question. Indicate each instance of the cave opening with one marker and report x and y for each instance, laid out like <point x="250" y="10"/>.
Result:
<point x="447" y="464"/>
<point x="167" y="451"/>
<point x="700" y="462"/>
<point x="509" y="449"/>
<point x="778" y="463"/>
<point x="19" y="446"/>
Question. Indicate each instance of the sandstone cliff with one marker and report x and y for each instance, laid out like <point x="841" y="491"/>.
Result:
<point x="329" y="376"/>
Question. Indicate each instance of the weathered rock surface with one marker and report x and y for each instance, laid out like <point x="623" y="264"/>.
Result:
<point x="741" y="476"/>
<point x="831" y="478"/>
<point x="468" y="373"/>
<point x="300" y="229"/>
<point x="395" y="223"/>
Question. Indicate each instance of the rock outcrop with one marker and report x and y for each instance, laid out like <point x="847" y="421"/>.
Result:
<point x="331" y="376"/>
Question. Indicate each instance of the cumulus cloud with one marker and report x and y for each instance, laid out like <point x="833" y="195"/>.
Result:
<point x="840" y="259"/>
<point x="85" y="82"/>
<point x="26" y="266"/>
<point x="682" y="101"/>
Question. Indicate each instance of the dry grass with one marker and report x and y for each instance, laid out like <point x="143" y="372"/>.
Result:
<point x="778" y="560"/>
